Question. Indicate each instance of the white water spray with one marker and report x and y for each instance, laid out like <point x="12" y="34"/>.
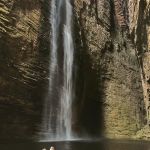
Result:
<point x="58" y="105"/>
<point x="67" y="95"/>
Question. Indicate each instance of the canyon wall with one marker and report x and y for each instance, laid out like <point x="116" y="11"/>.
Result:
<point x="105" y="38"/>
<point x="23" y="67"/>
<point x="140" y="29"/>
<point x="112" y="76"/>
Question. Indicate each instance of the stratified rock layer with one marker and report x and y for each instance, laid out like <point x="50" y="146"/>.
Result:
<point x="112" y="76"/>
<point x="23" y="68"/>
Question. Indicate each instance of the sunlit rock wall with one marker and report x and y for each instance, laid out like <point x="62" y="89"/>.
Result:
<point x="114" y="62"/>
<point x="140" y="30"/>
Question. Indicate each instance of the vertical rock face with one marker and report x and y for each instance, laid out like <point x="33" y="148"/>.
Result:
<point x="112" y="73"/>
<point x="91" y="35"/>
<point x="133" y="8"/>
<point x="121" y="12"/>
<point x="114" y="62"/>
<point x="142" y="42"/>
<point x="23" y="68"/>
<point x="140" y="28"/>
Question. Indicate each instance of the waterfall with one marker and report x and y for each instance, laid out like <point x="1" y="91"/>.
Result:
<point x="58" y="104"/>
<point x="66" y="98"/>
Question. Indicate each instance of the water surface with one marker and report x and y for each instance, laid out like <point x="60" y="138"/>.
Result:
<point x="78" y="145"/>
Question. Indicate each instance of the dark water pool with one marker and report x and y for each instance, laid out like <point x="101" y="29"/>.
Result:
<point x="78" y="145"/>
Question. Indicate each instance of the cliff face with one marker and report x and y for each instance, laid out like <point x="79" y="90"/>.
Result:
<point x="23" y="67"/>
<point x="112" y="62"/>
<point x="105" y="37"/>
<point x="140" y="29"/>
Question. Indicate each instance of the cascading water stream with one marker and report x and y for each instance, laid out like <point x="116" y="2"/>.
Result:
<point x="67" y="95"/>
<point x="57" y="109"/>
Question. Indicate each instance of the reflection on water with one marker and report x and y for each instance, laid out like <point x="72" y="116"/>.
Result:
<point x="79" y="145"/>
